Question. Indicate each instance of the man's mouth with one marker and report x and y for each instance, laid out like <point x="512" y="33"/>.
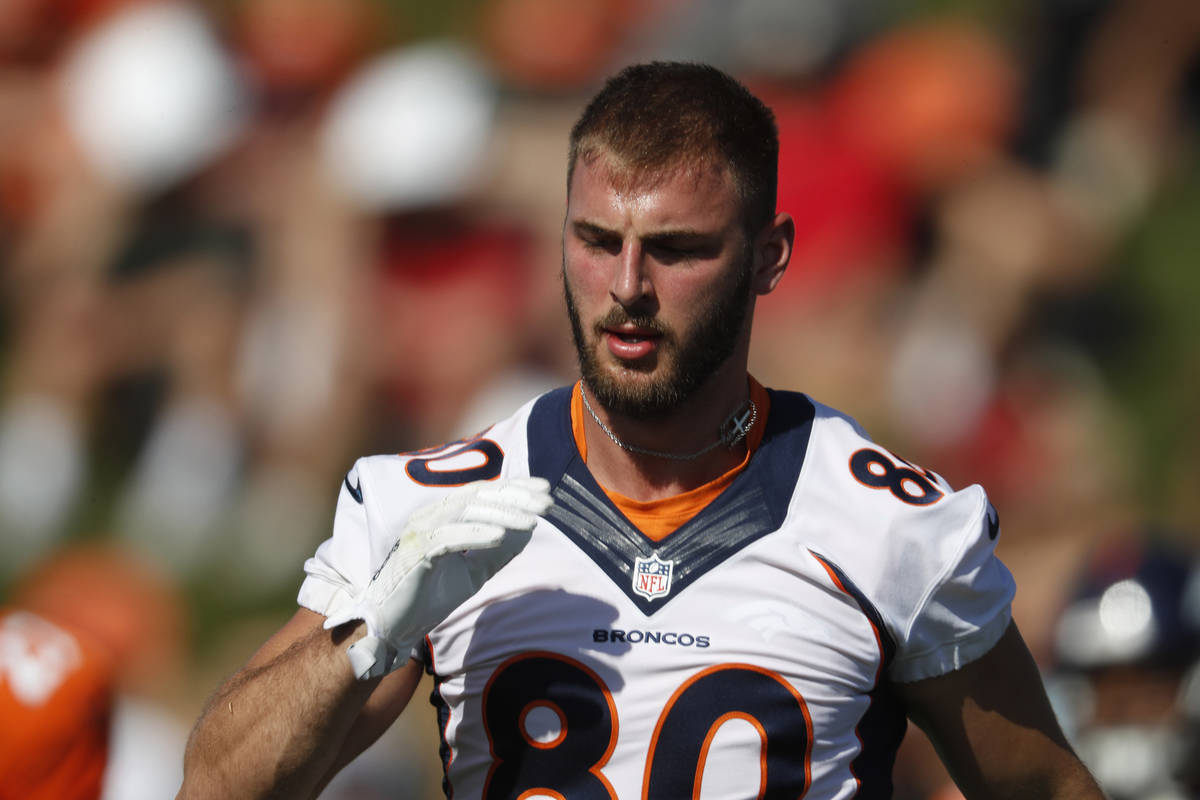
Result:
<point x="625" y="336"/>
<point x="631" y="343"/>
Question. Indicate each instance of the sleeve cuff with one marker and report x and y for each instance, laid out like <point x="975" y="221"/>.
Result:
<point x="371" y="657"/>
<point x="951" y="656"/>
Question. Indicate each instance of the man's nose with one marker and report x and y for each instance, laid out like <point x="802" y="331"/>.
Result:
<point x="631" y="281"/>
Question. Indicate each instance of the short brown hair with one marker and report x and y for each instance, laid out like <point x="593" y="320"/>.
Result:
<point x="663" y="114"/>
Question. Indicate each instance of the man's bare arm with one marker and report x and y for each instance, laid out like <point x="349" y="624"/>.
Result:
<point x="292" y="716"/>
<point x="994" y="729"/>
<point x="324" y="687"/>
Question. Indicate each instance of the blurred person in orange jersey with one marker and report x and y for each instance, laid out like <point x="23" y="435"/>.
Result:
<point x="90" y="653"/>
<point x="56" y="703"/>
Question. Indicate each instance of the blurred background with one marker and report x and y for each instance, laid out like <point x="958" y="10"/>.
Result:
<point x="244" y="241"/>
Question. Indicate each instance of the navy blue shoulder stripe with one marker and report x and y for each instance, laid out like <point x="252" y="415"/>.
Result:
<point x="882" y="727"/>
<point x="355" y="490"/>
<point x="886" y="641"/>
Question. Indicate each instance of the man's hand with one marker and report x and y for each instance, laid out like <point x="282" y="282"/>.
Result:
<point x="446" y="551"/>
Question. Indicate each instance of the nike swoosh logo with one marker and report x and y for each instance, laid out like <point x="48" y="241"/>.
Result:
<point x="356" y="490"/>
<point x="993" y="521"/>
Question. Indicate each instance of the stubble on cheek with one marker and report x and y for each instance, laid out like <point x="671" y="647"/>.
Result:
<point x="656" y="385"/>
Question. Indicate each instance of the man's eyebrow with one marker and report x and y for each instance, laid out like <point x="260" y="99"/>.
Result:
<point x="584" y="228"/>
<point x="675" y="236"/>
<point x="681" y="236"/>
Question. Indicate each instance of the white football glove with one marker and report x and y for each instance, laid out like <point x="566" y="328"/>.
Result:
<point x="429" y="571"/>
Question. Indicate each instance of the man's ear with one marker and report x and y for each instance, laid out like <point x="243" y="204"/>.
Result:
<point x="773" y="250"/>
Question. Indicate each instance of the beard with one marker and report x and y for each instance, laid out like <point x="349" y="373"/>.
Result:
<point x="686" y="360"/>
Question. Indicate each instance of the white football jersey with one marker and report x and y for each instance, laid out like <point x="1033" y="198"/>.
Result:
<point x="750" y="653"/>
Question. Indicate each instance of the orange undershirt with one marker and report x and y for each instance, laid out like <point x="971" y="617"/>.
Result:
<point x="658" y="518"/>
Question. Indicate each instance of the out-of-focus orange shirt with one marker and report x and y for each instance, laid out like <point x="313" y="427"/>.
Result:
<point x="56" y="698"/>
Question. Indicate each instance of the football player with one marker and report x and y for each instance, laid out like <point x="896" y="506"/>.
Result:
<point x="56" y="703"/>
<point x="1124" y="648"/>
<point x="665" y="580"/>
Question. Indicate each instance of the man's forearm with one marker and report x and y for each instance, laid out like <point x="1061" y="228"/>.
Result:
<point x="1081" y="786"/>
<point x="275" y="729"/>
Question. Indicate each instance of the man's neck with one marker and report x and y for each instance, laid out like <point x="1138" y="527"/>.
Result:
<point x="691" y="428"/>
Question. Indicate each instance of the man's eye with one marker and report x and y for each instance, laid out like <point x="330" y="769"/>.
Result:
<point x="602" y="245"/>
<point x="669" y="253"/>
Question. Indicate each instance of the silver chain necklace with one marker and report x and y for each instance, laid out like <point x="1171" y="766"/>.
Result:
<point x="732" y="431"/>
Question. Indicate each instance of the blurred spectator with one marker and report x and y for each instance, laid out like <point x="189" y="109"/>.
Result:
<point x="452" y="297"/>
<point x="547" y="45"/>
<point x="410" y="130"/>
<point x="933" y="101"/>
<point x="827" y="328"/>
<point x="178" y="295"/>
<point x="150" y="95"/>
<point x="1124" y="644"/>
<point x="298" y="51"/>
<point x="60" y="220"/>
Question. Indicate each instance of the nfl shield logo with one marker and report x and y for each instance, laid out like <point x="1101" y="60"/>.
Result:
<point x="652" y="576"/>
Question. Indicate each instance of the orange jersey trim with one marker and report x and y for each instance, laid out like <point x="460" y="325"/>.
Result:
<point x="659" y="518"/>
<point x="702" y="762"/>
